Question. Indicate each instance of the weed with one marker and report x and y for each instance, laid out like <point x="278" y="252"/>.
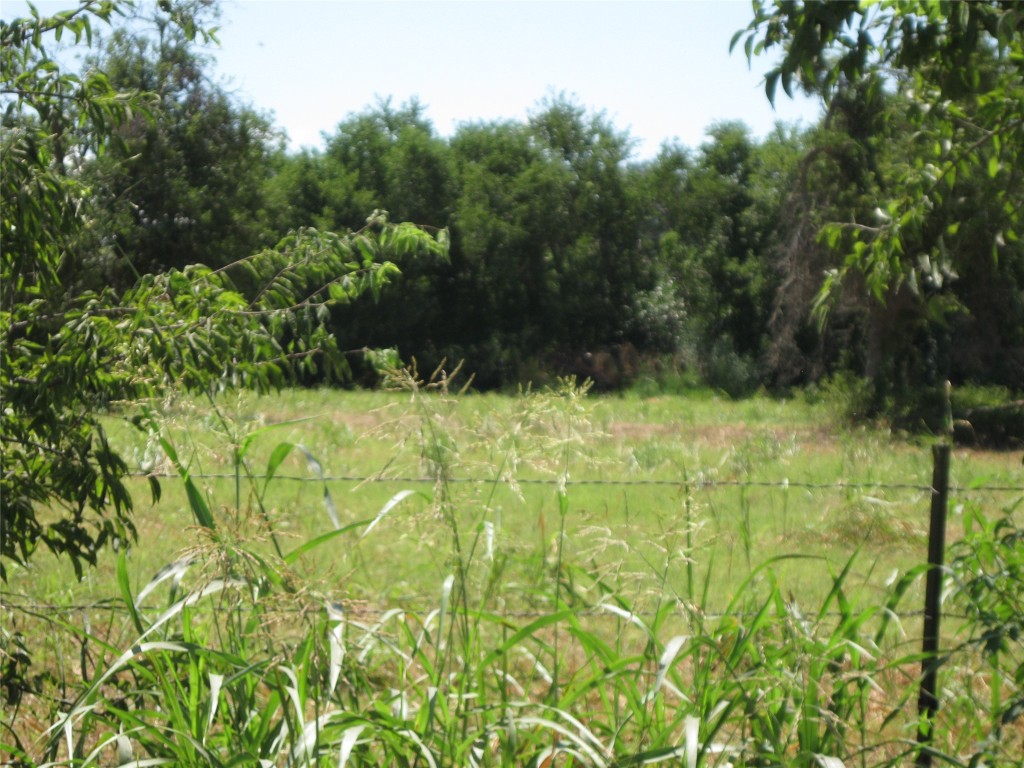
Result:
<point x="601" y="638"/>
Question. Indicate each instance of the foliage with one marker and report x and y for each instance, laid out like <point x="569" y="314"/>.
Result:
<point x="945" y="187"/>
<point x="394" y="161"/>
<point x="958" y="64"/>
<point x="658" y="318"/>
<point x="545" y="232"/>
<point x="544" y="260"/>
<point x="562" y="246"/>
<point x="592" y="243"/>
<point x="714" y="216"/>
<point x="392" y="158"/>
<point x="988" y="571"/>
<point x="186" y="183"/>
<point x="564" y="250"/>
<point x="50" y="377"/>
<point x="69" y="351"/>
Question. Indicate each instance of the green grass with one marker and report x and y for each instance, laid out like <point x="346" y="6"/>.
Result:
<point x="630" y="529"/>
<point x="544" y="610"/>
<point x="687" y="444"/>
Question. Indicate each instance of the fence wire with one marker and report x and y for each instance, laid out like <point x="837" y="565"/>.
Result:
<point x="27" y="605"/>
<point x="697" y="483"/>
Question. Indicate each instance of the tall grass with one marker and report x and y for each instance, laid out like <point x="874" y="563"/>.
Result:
<point x="233" y="654"/>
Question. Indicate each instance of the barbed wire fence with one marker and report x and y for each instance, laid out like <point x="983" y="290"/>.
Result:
<point x="27" y="604"/>
<point x="30" y="606"/>
<point x="697" y="483"/>
<point x="939" y="491"/>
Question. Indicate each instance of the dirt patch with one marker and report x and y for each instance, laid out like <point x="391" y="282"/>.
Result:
<point x="637" y="431"/>
<point x="718" y="435"/>
<point x="358" y="422"/>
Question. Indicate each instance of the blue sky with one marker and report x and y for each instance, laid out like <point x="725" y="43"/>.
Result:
<point x="659" y="70"/>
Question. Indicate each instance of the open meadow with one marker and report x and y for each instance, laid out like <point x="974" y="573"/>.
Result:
<point x="415" y="577"/>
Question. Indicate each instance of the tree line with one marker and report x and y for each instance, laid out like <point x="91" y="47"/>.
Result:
<point x="563" y="247"/>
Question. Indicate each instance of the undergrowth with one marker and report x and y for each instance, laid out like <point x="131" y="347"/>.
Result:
<point x="233" y="654"/>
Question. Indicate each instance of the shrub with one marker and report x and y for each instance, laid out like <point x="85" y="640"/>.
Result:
<point x="731" y="372"/>
<point x="988" y="573"/>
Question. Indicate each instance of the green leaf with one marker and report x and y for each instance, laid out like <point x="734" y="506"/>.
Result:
<point x="125" y="585"/>
<point x="771" y="82"/>
<point x="197" y="503"/>
<point x="337" y="293"/>
<point x="278" y="455"/>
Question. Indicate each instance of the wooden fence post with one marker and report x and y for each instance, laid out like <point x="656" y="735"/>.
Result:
<point x="928" y="700"/>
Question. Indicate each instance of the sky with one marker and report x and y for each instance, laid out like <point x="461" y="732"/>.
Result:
<point x="660" y="71"/>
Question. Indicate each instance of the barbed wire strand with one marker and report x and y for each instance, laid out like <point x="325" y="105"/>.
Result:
<point x="696" y="484"/>
<point x="25" y="604"/>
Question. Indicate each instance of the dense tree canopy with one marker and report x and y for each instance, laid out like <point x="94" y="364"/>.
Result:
<point x="562" y="246"/>
<point x="719" y="245"/>
<point x="185" y="184"/>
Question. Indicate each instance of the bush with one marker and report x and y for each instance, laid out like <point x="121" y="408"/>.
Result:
<point x="988" y="416"/>
<point x="658" y="323"/>
<point x="988" y="570"/>
<point x="726" y="369"/>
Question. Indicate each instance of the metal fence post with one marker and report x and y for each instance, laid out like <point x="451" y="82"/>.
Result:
<point x="928" y="700"/>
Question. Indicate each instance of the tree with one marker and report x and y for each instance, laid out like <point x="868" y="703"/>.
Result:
<point x="505" y="218"/>
<point x="544" y="233"/>
<point x="593" y="245"/>
<point x="843" y="171"/>
<point x="951" y="205"/>
<point x="717" y="214"/>
<point x="67" y="351"/>
<point x="185" y="183"/>
<point x="392" y="158"/>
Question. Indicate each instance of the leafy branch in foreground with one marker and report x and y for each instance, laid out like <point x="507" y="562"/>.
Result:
<point x="957" y="68"/>
<point x="67" y="352"/>
<point x="195" y="328"/>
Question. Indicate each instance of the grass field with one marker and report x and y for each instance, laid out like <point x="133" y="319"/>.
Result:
<point x="638" y="472"/>
<point x="585" y="534"/>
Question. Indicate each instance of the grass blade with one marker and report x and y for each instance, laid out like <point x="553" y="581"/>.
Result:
<point x="313" y="543"/>
<point x="348" y="743"/>
<point x="667" y="657"/>
<point x="391" y="504"/>
<point x="200" y="509"/>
